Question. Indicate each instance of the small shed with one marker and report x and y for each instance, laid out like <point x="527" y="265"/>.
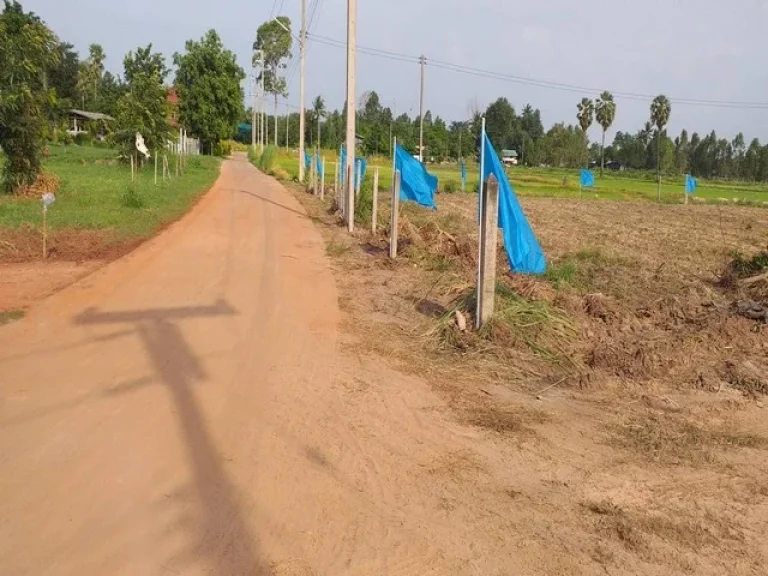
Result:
<point x="509" y="157"/>
<point x="80" y="117"/>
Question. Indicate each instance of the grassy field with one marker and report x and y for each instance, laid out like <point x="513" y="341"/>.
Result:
<point x="95" y="195"/>
<point x="551" y="183"/>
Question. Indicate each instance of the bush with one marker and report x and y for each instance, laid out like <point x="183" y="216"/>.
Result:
<point x="83" y="139"/>
<point x="364" y="203"/>
<point x="131" y="198"/>
<point x="451" y="186"/>
<point x="743" y="267"/>
<point x="224" y="149"/>
<point x="267" y="160"/>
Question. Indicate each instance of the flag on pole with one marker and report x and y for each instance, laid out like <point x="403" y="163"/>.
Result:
<point x="319" y="164"/>
<point x="690" y="184"/>
<point x="523" y="250"/>
<point x="307" y="160"/>
<point x="416" y="184"/>
<point x="463" y="168"/>
<point x="587" y="179"/>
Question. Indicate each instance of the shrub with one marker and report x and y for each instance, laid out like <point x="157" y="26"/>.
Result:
<point x="83" y="139"/>
<point x="451" y="186"/>
<point x="267" y="160"/>
<point x="131" y="198"/>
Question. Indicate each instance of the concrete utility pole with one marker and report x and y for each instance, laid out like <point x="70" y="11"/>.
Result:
<point x="253" y="112"/>
<point x="349" y="169"/>
<point x="302" y="86"/>
<point x="423" y="61"/>
<point x="263" y="108"/>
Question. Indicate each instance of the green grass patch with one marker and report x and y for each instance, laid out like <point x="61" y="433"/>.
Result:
<point x="8" y="316"/>
<point x="580" y="270"/>
<point x="744" y="267"/>
<point x="96" y="194"/>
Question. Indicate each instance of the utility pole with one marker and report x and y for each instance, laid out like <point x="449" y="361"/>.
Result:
<point x="253" y="112"/>
<point x="287" y="124"/>
<point x="349" y="169"/>
<point x="263" y="108"/>
<point x="423" y="62"/>
<point x="302" y="86"/>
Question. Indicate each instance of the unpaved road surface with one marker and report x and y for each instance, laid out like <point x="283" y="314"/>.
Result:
<point x="188" y="410"/>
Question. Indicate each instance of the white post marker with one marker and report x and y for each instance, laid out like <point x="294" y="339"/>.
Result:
<point x="155" y="168"/>
<point x="359" y="179"/>
<point x="479" y="219"/>
<point x="322" y="179"/>
<point x="47" y="199"/>
<point x="489" y="223"/>
<point x="375" y="206"/>
<point x="395" y="220"/>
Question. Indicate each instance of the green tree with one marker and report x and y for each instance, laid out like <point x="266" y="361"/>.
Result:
<point x="661" y="109"/>
<point x="143" y="109"/>
<point x="89" y="76"/>
<point x="318" y="112"/>
<point x="605" y="114"/>
<point x="586" y="116"/>
<point x="208" y="84"/>
<point x="274" y="40"/>
<point x="500" y="124"/>
<point x="28" y="49"/>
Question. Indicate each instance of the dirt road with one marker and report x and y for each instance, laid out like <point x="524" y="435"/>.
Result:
<point x="187" y="410"/>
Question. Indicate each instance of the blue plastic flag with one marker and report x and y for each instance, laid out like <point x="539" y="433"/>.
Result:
<point x="523" y="250"/>
<point x="319" y="165"/>
<point x="361" y="165"/>
<point x="307" y="160"/>
<point x="587" y="179"/>
<point x="463" y="168"/>
<point x="690" y="184"/>
<point x="416" y="184"/>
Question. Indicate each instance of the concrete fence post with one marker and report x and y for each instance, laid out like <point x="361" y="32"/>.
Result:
<point x="322" y="180"/>
<point x="395" y="221"/>
<point x="359" y="180"/>
<point x="489" y="224"/>
<point x="375" y="206"/>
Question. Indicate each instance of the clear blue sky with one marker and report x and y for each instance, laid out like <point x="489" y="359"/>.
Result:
<point x="684" y="48"/>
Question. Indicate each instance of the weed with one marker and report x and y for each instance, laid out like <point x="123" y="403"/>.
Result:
<point x="268" y="159"/>
<point x="508" y="421"/>
<point x="9" y="316"/>
<point x="451" y="186"/>
<point x="744" y="267"/>
<point x="336" y="248"/>
<point x="131" y="198"/>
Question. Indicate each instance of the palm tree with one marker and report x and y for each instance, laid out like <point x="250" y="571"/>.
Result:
<point x="661" y="108"/>
<point x="606" y="113"/>
<point x="318" y="111"/>
<point x="586" y="117"/>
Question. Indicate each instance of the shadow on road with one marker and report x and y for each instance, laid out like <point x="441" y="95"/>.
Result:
<point x="268" y="201"/>
<point x="219" y="533"/>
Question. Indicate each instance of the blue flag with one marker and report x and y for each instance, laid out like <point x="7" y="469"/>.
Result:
<point x="416" y="184"/>
<point x="319" y="165"/>
<point x="307" y="160"/>
<point x="361" y="165"/>
<point x="463" y="168"/>
<point x="587" y="179"/>
<point x="523" y="250"/>
<point x="690" y="184"/>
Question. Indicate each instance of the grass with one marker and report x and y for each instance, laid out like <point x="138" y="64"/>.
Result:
<point x="9" y="316"/>
<point x="562" y="183"/>
<point x="580" y="270"/>
<point x="96" y="194"/>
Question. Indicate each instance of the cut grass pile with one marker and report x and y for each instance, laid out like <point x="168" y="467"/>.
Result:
<point x="96" y="194"/>
<point x="8" y="316"/>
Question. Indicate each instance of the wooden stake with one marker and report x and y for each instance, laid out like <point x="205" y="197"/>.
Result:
<point x="155" y="168"/>
<point x="132" y="168"/>
<point x="375" y="207"/>
<point x="395" y="221"/>
<point x="489" y="223"/>
<point x="45" y="232"/>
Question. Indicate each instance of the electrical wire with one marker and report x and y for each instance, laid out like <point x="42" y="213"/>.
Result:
<point x="458" y="68"/>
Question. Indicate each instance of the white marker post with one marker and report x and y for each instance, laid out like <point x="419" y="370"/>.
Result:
<point x="47" y="199"/>
<point x="395" y="220"/>
<point x="479" y="222"/>
<point x="489" y="223"/>
<point x="359" y="180"/>
<point x="375" y="206"/>
<point x="322" y="179"/>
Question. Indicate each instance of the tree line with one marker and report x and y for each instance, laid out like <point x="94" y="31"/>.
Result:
<point x="42" y="78"/>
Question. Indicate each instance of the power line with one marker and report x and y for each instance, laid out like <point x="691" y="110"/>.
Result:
<point x="551" y="85"/>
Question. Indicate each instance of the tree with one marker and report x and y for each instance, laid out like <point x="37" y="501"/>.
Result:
<point x="661" y="109"/>
<point x="586" y="116"/>
<point x="318" y="111"/>
<point x="605" y="113"/>
<point x="28" y="49"/>
<point x="208" y="84"/>
<point x="143" y="108"/>
<point x="89" y="76"/>
<point x="274" y="40"/>
<point x="500" y="124"/>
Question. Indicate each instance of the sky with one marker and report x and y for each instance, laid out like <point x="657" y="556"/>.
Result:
<point x="686" y="49"/>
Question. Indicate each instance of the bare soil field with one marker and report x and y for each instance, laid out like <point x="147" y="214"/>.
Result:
<point x="621" y="396"/>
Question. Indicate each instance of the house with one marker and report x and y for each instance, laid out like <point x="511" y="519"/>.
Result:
<point x="509" y="157"/>
<point x="80" y="117"/>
